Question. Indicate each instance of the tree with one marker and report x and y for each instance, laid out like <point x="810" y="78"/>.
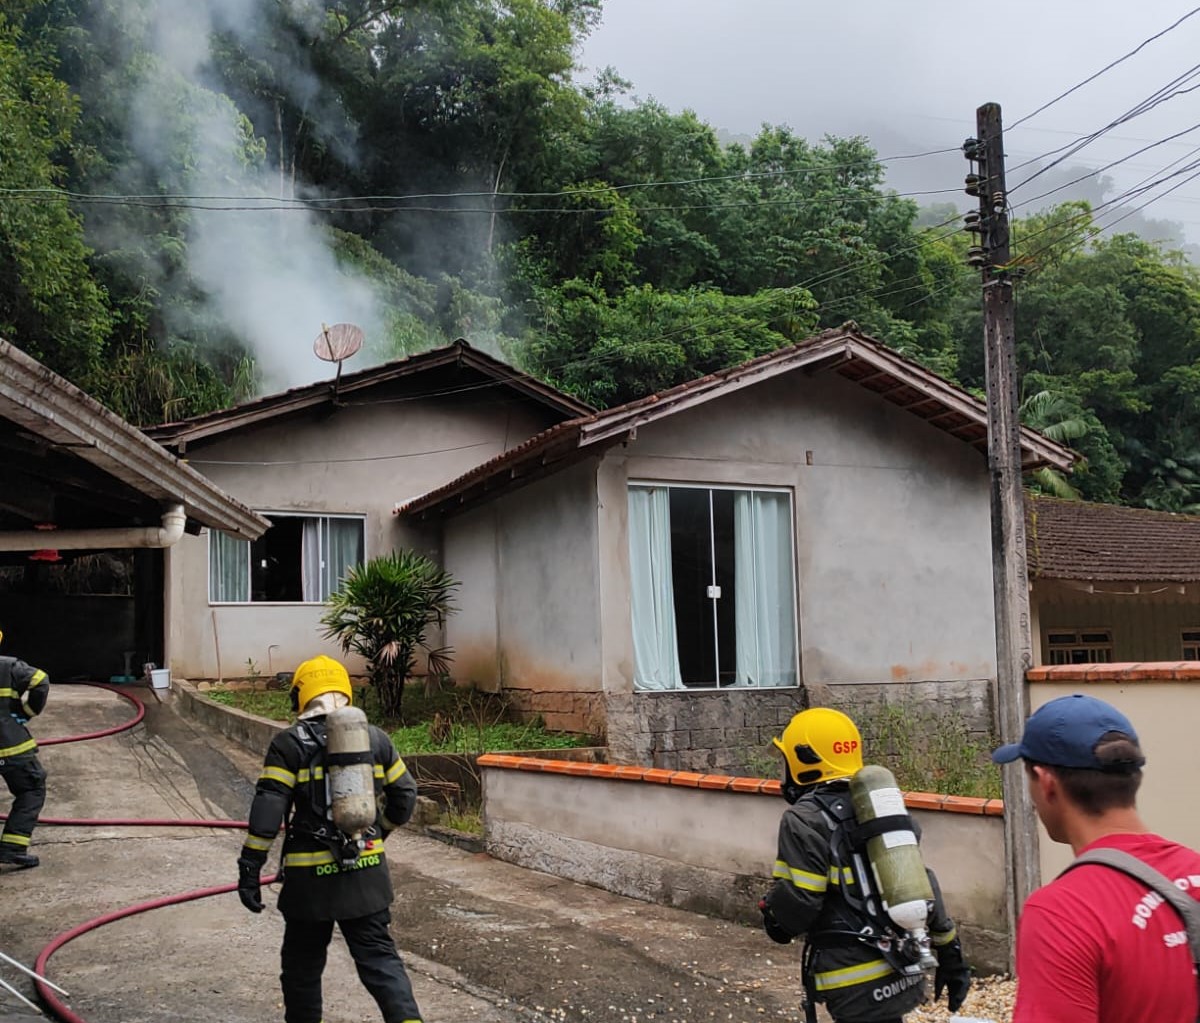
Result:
<point x="384" y="611"/>
<point x="50" y="305"/>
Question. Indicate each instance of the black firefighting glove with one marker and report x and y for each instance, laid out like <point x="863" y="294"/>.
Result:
<point x="774" y="931"/>
<point x="952" y="974"/>
<point x="249" y="886"/>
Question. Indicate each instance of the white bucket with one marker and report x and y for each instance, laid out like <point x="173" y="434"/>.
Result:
<point x="160" y="678"/>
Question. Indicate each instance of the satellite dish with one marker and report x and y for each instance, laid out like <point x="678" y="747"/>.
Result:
<point x="335" y="344"/>
<point x="338" y="342"/>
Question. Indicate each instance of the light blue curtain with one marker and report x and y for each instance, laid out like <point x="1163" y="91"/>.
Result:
<point x="312" y="563"/>
<point x="343" y="550"/>
<point x="764" y="592"/>
<point x="228" y="568"/>
<point x="655" y="648"/>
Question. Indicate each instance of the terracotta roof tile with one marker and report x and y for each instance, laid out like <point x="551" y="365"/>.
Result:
<point x="1083" y="541"/>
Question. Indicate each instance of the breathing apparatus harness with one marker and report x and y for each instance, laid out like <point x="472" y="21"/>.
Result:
<point x="848" y="851"/>
<point x="319" y="822"/>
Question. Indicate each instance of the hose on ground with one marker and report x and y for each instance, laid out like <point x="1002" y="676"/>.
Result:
<point x="48" y="997"/>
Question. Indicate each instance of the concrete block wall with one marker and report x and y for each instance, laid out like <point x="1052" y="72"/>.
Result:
<point x="696" y="730"/>
<point x="706" y="842"/>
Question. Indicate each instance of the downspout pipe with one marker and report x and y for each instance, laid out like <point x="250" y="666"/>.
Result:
<point x="165" y="535"/>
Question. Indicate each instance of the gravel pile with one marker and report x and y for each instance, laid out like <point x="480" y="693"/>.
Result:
<point x="990" y="999"/>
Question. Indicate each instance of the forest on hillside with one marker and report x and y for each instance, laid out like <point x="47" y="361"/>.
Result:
<point x="189" y="188"/>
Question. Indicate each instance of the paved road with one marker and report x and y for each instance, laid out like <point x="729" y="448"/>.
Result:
<point x="485" y="942"/>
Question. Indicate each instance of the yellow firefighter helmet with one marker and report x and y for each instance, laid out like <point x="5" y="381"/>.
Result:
<point x="820" y="744"/>
<point x="319" y="675"/>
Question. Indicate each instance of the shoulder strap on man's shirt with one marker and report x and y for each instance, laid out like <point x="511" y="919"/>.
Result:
<point x="1187" y="907"/>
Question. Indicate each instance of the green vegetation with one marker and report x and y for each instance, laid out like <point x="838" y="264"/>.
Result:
<point x="609" y="245"/>
<point x="926" y="748"/>
<point x="441" y="720"/>
<point x="930" y="750"/>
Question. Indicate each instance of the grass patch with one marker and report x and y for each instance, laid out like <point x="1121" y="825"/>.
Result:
<point x="468" y="819"/>
<point x="272" y="703"/>
<point x="442" y="720"/>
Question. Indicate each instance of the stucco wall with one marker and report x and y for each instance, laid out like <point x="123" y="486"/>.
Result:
<point x="1145" y="626"/>
<point x="892" y="540"/>
<point x="1164" y="712"/>
<point x="529" y="616"/>
<point x="358" y="460"/>
<point x="673" y="843"/>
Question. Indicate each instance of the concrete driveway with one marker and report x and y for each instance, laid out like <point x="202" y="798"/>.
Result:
<point x="485" y="942"/>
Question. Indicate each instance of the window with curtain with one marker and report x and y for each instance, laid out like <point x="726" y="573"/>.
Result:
<point x="300" y="559"/>
<point x="712" y="575"/>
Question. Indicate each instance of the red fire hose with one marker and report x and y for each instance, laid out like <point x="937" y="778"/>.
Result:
<point x="49" y="998"/>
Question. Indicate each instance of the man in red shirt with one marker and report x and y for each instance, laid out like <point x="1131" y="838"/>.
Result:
<point x="1095" y="945"/>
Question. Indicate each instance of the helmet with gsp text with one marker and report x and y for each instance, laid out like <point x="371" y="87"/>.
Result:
<point x="819" y="745"/>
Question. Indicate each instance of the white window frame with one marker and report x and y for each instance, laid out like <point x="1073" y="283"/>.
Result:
<point x="1190" y="644"/>
<point x="1078" y="643"/>
<point x="359" y="517"/>
<point x="740" y="488"/>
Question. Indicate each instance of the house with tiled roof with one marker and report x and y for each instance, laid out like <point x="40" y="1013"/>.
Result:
<point x="1109" y="583"/>
<point x="679" y="574"/>
<point x="682" y="572"/>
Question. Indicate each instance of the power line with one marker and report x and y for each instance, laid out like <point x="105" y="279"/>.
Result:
<point x="1160" y="95"/>
<point x="505" y="210"/>
<point x="305" y="203"/>
<point x="1108" y="67"/>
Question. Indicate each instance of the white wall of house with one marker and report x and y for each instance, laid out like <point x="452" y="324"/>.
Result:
<point x="529" y="604"/>
<point x="357" y="461"/>
<point x="892" y="527"/>
<point x="893" y="576"/>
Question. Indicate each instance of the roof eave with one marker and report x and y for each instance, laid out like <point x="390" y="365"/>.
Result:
<point x="63" y="415"/>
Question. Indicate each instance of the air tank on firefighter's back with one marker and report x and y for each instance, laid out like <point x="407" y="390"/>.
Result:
<point x="894" y="855"/>
<point x="350" y="770"/>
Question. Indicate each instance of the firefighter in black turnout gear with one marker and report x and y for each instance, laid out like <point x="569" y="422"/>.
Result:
<point x="818" y="896"/>
<point x="23" y="692"/>
<point x="327" y="877"/>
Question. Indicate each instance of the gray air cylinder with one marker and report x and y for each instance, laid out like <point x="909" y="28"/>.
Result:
<point x="894" y="855"/>
<point x="350" y="771"/>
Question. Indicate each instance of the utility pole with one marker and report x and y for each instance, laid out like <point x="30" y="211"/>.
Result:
<point x="1010" y="579"/>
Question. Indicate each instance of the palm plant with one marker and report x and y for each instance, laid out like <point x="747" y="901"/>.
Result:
<point x="1058" y="419"/>
<point x="384" y="611"/>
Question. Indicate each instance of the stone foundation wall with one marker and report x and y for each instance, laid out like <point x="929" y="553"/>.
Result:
<point x="731" y="730"/>
<point x="725" y="730"/>
<point x="581" y="713"/>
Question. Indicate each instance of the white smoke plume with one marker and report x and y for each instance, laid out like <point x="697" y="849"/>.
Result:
<point x="268" y="277"/>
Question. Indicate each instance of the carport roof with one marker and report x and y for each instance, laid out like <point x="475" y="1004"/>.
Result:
<point x="57" y="440"/>
<point x="1077" y="540"/>
<point x="845" y="351"/>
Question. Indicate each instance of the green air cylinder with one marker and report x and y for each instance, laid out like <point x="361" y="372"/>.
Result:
<point x="350" y="771"/>
<point x="895" y="857"/>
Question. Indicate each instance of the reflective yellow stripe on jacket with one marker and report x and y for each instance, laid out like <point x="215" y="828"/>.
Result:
<point x="28" y="746"/>
<point x="943" y="937"/>
<point x="848" y="976"/>
<point x="323" y="856"/>
<point x="804" y="879"/>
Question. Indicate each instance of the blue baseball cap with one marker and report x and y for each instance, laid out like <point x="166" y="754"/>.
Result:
<point x="1065" y="732"/>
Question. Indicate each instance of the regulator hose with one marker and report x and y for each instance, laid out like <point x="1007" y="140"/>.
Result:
<point x="48" y="997"/>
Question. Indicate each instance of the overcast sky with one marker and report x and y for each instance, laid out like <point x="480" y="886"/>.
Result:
<point x="909" y="75"/>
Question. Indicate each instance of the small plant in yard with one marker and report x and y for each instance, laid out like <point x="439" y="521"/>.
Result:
<point x="384" y="612"/>
<point x="930" y="749"/>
